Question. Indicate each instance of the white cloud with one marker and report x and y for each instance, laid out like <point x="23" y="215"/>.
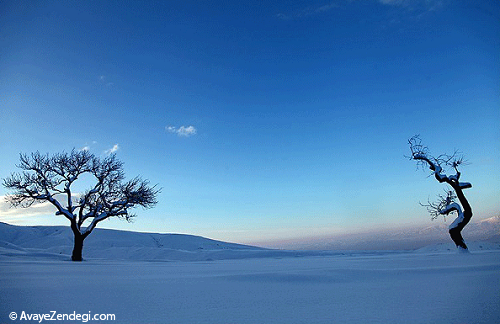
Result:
<point x="12" y="214"/>
<point x="186" y="131"/>
<point x="170" y="129"/>
<point x="182" y="131"/>
<point x="113" y="149"/>
<point x="31" y="215"/>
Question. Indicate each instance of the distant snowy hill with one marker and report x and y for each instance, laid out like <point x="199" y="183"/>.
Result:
<point x="408" y="238"/>
<point x="52" y="241"/>
<point x="56" y="242"/>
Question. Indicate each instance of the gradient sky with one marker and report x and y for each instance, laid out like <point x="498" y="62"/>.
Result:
<point x="261" y="120"/>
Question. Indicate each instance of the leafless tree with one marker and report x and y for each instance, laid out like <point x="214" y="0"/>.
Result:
<point x="46" y="178"/>
<point x="445" y="204"/>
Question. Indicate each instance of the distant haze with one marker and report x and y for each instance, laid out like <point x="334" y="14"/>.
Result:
<point x="407" y="238"/>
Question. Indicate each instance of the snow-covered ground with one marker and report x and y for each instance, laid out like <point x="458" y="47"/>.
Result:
<point x="240" y="284"/>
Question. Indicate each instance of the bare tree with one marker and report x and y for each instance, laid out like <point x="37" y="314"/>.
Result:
<point x="51" y="179"/>
<point x="445" y="204"/>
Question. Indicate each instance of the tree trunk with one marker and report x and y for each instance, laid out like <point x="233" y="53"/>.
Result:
<point x="78" y="244"/>
<point x="457" y="238"/>
<point x="455" y="231"/>
<point x="78" y="247"/>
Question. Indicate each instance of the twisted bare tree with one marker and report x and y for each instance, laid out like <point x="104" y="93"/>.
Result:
<point x="448" y="204"/>
<point x="51" y="179"/>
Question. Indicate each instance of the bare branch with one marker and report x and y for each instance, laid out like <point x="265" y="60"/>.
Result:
<point x="440" y="206"/>
<point x="45" y="178"/>
<point x="445" y="204"/>
<point x="421" y="154"/>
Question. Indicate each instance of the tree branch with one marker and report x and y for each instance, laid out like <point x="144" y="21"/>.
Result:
<point x="44" y="178"/>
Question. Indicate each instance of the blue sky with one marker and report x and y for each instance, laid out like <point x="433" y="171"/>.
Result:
<point x="261" y="120"/>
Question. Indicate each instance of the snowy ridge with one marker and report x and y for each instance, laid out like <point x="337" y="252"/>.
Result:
<point x="56" y="243"/>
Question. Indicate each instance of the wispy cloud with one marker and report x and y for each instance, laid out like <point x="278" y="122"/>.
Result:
<point x="326" y="7"/>
<point x="416" y="8"/>
<point x="87" y="146"/>
<point x="103" y="80"/>
<point x="309" y="11"/>
<point x="182" y="131"/>
<point x="427" y="5"/>
<point x="430" y="3"/>
<point x="112" y="150"/>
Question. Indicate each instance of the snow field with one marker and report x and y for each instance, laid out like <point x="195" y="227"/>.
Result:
<point x="404" y="287"/>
